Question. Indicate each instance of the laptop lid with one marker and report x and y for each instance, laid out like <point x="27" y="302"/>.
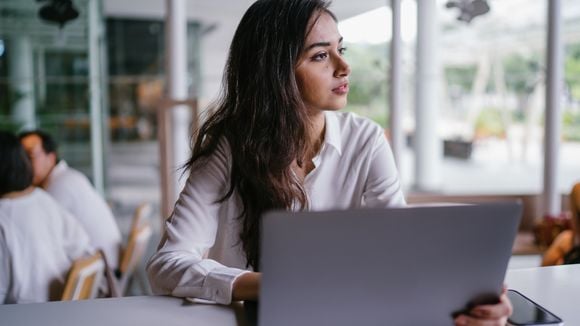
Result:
<point x="398" y="266"/>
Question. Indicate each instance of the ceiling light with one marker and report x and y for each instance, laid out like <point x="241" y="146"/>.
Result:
<point x="469" y="9"/>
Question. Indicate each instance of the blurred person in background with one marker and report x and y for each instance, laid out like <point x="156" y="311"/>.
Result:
<point x="39" y="240"/>
<point x="74" y="192"/>
<point x="565" y="249"/>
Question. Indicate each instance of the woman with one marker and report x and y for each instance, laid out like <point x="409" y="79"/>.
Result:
<point x="561" y="250"/>
<point x="274" y="142"/>
<point x="38" y="239"/>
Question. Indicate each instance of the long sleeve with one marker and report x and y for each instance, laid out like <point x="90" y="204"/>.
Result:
<point x="382" y="187"/>
<point x="180" y="266"/>
<point x="76" y="240"/>
<point x="74" y="192"/>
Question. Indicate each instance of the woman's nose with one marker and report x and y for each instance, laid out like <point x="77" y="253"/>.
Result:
<point x="342" y="67"/>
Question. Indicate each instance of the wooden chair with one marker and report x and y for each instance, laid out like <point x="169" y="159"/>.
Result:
<point x="139" y="237"/>
<point x="84" y="278"/>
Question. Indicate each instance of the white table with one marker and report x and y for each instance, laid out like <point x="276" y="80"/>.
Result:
<point x="556" y="288"/>
<point x="128" y="311"/>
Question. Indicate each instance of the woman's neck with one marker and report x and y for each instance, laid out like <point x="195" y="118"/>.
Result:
<point x="17" y="194"/>
<point x="316" y="132"/>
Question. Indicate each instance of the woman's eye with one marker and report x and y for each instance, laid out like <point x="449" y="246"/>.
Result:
<point x="342" y="50"/>
<point x="320" y="56"/>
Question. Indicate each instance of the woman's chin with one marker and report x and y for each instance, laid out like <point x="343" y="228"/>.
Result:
<point x="337" y="106"/>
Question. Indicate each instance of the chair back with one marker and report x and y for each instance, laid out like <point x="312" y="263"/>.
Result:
<point x="84" y="278"/>
<point x="135" y="249"/>
<point x="140" y="217"/>
<point x="139" y="235"/>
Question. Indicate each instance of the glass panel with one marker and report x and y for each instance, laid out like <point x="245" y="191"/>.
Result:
<point x="136" y="54"/>
<point x="491" y="102"/>
<point x="570" y="152"/>
<point x="44" y="76"/>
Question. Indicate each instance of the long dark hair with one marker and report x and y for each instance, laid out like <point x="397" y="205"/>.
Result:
<point x="15" y="168"/>
<point x="261" y="114"/>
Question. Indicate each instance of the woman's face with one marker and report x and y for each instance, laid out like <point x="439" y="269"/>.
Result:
<point x="322" y="73"/>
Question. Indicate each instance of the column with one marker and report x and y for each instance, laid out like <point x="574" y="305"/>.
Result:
<point x="395" y="76"/>
<point x="96" y="94"/>
<point x="427" y="145"/>
<point x="554" y="83"/>
<point x="20" y="70"/>
<point x="176" y="120"/>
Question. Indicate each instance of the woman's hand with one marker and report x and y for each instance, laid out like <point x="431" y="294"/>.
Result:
<point x="488" y="315"/>
<point x="246" y="287"/>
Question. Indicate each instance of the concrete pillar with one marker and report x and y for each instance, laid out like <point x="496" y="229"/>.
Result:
<point x="554" y="83"/>
<point x="396" y="81"/>
<point x="175" y="135"/>
<point x="21" y="73"/>
<point x="427" y="145"/>
<point x="96" y="40"/>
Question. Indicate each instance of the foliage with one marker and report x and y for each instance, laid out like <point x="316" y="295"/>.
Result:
<point x="460" y="77"/>
<point x="7" y="125"/>
<point x="572" y="70"/>
<point x="571" y="125"/>
<point x="522" y="73"/>
<point x="489" y="124"/>
<point x="375" y="111"/>
<point x="368" y="80"/>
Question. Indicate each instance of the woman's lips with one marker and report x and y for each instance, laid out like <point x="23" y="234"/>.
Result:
<point x="341" y="90"/>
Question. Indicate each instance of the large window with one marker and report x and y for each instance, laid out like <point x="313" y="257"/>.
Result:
<point x="44" y="77"/>
<point x="491" y="92"/>
<point x="136" y="50"/>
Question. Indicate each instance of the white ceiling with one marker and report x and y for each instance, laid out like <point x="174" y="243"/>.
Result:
<point x="219" y="10"/>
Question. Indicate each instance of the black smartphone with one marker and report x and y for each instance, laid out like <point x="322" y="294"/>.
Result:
<point x="527" y="312"/>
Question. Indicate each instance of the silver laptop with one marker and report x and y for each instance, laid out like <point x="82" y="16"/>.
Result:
<point x="402" y="266"/>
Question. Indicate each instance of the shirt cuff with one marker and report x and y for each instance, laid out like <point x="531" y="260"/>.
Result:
<point x="219" y="283"/>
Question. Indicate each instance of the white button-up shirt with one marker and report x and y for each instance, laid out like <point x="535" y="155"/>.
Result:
<point x="38" y="242"/>
<point x="74" y="192"/>
<point x="200" y="254"/>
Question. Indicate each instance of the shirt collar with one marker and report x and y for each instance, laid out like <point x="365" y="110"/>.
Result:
<point x="59" y="168"/>
<point x="332" y="133"/>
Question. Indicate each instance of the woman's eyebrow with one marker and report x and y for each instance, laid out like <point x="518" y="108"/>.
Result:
<point x="322" y="44"/>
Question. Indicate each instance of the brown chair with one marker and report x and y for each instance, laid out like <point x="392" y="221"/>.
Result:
<point x="139" y="237"/>
<point x="84" y="278"/>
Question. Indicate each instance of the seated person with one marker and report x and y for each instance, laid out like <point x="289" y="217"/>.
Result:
<point x="39" y="240"/>
<point x="568" y="239"/>
<point x="275" y="141"/>
<point x="73" y="191"/>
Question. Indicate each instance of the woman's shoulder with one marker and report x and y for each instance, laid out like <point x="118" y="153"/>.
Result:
<point x="352" y="126"/>
<point x="351" y="119"/>
<point x="215" y="163"/>
<point x="564" y="240"/>
<point x="37" y="203"/>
